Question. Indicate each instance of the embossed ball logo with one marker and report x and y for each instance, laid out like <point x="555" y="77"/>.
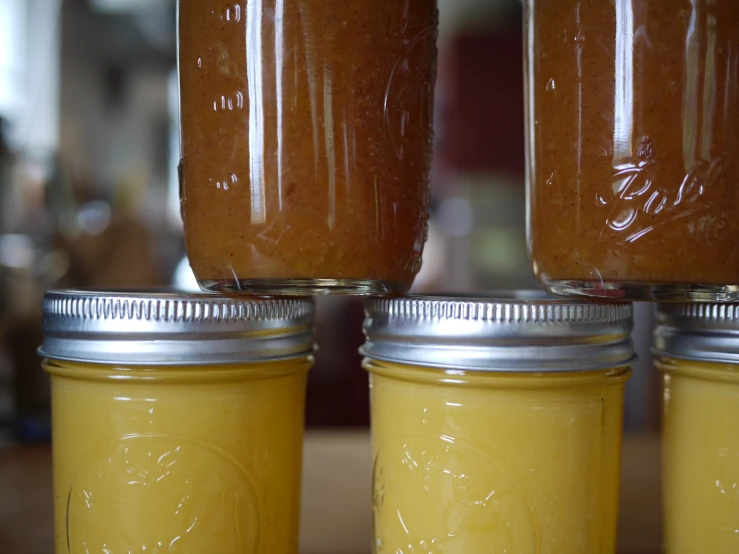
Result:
<point x="157" y="494"/>
<point x="638" y="202"/>
<point x="432" y="495"/>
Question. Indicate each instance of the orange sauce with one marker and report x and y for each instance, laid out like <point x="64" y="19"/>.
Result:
<point x="633" y="148"/>
<point x="306" y="139"/>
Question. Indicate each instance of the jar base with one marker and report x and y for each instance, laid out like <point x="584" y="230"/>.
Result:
<point x="644" y="290"/>
<point x="305" y="287"/>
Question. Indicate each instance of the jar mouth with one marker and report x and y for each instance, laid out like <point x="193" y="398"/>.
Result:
<point x="697" y="353"/>
<point x="175" y="373"/>
<point x="713" y="371"/>
<point x="514" y="333"/>
<point x="530" y="359"/>
<point x="498" y="379"/>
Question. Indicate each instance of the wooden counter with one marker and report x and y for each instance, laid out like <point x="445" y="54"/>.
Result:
<point x="336" y="496"/>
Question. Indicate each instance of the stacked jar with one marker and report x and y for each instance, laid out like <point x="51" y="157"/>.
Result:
<point x="496" y="423"/>
<point x="306" y="134"/>
<point x="632" y="179"/>
<point x="177" y="421"/>
<point x="632" y="152"/>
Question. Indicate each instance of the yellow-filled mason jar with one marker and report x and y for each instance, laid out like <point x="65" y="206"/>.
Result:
<point x="496" y="424"/>
<point x="177" y="421"/>
<point x="697" y="351"/>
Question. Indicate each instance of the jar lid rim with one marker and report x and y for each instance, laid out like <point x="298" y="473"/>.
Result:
<point x="705" y="331"/>
<point x="161" y="327"/>
<point x="520" y="331"/>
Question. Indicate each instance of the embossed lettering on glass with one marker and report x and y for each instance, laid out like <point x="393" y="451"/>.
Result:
<point x="306" y="143"/>
<point x="496" y="424"/>
<point x="165" y="492"/>
<point x="633" y="150"/>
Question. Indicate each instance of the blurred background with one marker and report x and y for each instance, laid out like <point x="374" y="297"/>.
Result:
<point x="89" y="197"/>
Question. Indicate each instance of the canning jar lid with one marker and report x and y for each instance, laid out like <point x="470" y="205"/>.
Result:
<point x="519" y="333"/>
<point x="171" y="328"/>
<point x="707" y="332"/>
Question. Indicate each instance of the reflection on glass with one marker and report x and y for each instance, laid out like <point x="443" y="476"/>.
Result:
<point x="632" y="147"/>
<point x="306" y="143"/>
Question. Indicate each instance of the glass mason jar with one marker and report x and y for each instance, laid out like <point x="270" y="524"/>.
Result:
<point x="633" y="178"/>
<point x="496" y="424"/>
<point x="697" y="348"/>
<point x="177" y="421"/>
<point x="306" y="136"/>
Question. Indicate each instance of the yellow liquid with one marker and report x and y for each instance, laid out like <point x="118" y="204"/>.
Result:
<point x="700" y="457"/>
<point x="479" y="462"/>
<point x="199" y="460"/>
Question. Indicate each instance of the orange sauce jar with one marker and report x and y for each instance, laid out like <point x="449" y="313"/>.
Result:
<point x="306" y="135"/>
<point x="633" y="148"/>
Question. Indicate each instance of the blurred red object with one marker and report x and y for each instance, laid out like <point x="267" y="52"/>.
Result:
<point x="482" y="122"/>
<point x="337" y="385"/>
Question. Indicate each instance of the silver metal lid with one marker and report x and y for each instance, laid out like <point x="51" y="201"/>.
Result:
<point x="506" y="334"/>
<point x="698" y="331"/>
<point x="168" y="328"/>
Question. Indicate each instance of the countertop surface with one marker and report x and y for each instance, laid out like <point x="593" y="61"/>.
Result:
<point x="336" y="512"/>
